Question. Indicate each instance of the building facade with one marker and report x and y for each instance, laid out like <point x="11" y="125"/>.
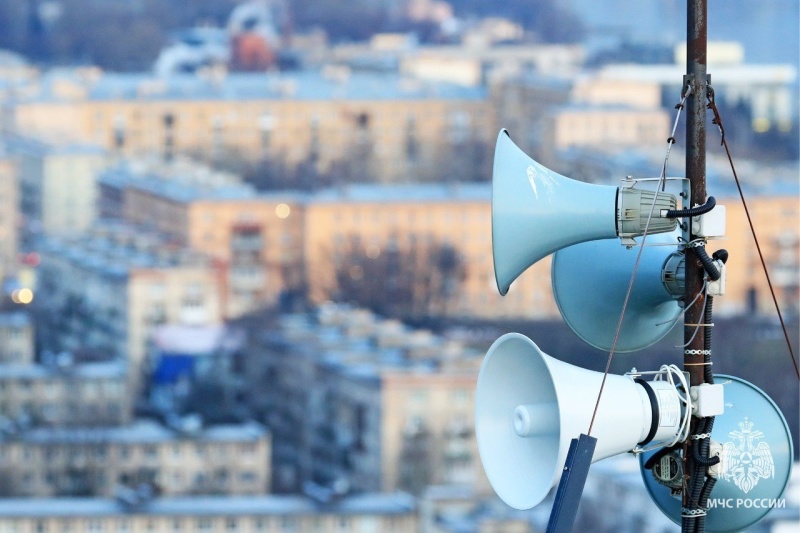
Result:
<point x="153" y="284"/>
<point x="367" y="513"/>
<point x="359" y="403"/>
<point x="47" y="462"/>
<point x="9" y="215"/>
<point x="398" y="125"/>
<point x="65" y="395"/>
<point x="58" y="187"/>
<point x="255" y="240"/>
<point x="417" y="217"/>
<point x="16" y="338"/>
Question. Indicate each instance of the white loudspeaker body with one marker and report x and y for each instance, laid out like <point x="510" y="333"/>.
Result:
<point x="529" y="406"/>
<point x="536" y="211"/>
<point x="590" y="282"/>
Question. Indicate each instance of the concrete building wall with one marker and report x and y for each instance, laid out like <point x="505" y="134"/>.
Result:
<point x="365" y="513"/>
<point x="605" y="128"/>
<point x="16" y="338"/>
<point x="59" y="185"/>
<point x="9" y="215"/>
<point x="82" y="462"/>
<point x="777" y="224"/>
<point x="282" y="129"/>
<point x="74" y="395"/>
<point x="464" y="224"/>
<point x="437" y="411"/>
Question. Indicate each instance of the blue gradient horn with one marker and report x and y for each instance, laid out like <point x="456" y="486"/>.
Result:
<point x="591" y="279"/>
<point x="536" y="212"/>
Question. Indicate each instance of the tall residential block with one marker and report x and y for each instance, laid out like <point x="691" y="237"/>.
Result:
<point x="399" y="127"/>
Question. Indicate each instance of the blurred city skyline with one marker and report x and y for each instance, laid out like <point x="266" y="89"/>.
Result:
<point x="246" y="246"/>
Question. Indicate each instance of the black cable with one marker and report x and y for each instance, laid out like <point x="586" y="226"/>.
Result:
<point x="700" y="453"/>
<point x="700" y="525"/>
<point x="708" y="263"/>
<point x="696" y="483"/>
<point x="700" y="447"/>
<point x="694" y="211"/>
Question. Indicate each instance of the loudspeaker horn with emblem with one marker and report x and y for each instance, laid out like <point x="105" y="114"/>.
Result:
<point x="754" y="444"/>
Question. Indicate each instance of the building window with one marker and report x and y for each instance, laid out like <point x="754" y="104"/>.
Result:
<point x="288" y="523"/>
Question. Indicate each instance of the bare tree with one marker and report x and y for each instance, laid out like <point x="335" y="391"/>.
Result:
<point x="418" y="279"/>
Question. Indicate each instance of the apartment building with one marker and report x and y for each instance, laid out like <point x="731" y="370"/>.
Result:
<point x="271" y="244"/>
<point x="94" y="461"/>
<point x="605" y="127"/>
<point x="16" y="338"/>
<point x="58" y="188"/>
<point x="777" y="223"/>
<point x="65" y="394"/>
<point x="152" y="283"/>
<point x="371" y="512"/>
<point x="57" y="390"/>
<point x="398" y="125"/>
<point x="9" y="214"/>
<point x="404" y="217"/>
<point x="361" y="403"/>
<point x="255" y="239"/>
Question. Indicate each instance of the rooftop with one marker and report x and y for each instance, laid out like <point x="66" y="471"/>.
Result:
<point x="139" y="432"/>
<point x="419" y="192"/>
<point x="104" y="370"/>
<point x="314" y="85"/>
<point x="357" y="344"/>
<point x="361" y="504"/>
<point x="115" y="248"/>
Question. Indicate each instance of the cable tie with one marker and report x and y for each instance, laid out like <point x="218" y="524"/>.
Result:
<point x="707" y="363"/>
<point x="692" y="513"/>
<point x="697" y="352"/>
<point x="701" y="325"/>
<point x="700" y="436"/>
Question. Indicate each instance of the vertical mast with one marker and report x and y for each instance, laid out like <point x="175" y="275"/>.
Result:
<point x="696" y="80"/>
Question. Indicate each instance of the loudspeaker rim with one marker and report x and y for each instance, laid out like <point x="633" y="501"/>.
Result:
<point x="535" y="494"/>
<point x="659" y="497"/>
<point x="576" y="326"/>
<point x="502" y="292"/>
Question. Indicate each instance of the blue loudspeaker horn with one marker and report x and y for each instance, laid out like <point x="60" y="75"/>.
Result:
<point x="536" y="211"/>
<point x="591" y="279"/>
<point x="756" y="453"/>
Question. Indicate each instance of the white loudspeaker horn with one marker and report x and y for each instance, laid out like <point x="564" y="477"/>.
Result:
<point x="590" y="282"/>
<point x="529" y="406"/>
<point x="536" y="211"/>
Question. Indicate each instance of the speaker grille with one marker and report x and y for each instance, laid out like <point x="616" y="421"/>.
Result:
<point x="633" y="209"/>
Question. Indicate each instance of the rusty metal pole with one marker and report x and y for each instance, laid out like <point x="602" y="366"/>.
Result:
<point x="694" y="336"/>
